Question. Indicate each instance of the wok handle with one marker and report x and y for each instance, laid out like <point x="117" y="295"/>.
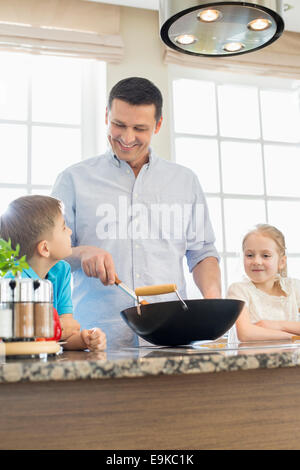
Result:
<point x="127" y="290"/>
<point x="155" y="290"/>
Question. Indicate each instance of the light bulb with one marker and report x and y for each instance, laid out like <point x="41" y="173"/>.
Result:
<point x="233" y="46"/>
<point x="186" y="39"/>
<point x="209" y="16"/>
<point x="259" y="25"/>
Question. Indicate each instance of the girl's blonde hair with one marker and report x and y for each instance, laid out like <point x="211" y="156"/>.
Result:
<point x="276" y="235"/>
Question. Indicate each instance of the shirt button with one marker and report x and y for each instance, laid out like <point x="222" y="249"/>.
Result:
<point x="138" y="276"/>
<point x="128" y="171"/>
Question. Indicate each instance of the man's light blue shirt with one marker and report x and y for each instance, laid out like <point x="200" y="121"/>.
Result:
<point x="108" y="207"/>
<point x="60" y="276"/>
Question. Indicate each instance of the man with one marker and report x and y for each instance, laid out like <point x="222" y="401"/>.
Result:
<point x="135" y="215"/>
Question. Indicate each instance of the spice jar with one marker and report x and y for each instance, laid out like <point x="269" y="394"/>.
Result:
<point x="24" y="309"/>
<point x="6" y="308"/>
<point x="43" y="309"/>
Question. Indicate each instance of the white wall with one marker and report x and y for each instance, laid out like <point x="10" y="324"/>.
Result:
<point x="143" y="58"/>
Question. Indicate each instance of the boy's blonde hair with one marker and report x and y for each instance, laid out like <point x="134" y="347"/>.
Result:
<point x="28" y="220"/>
<point x="276" y="235"/>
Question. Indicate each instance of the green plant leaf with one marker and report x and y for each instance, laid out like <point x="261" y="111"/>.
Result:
<point x="9" y="259"/>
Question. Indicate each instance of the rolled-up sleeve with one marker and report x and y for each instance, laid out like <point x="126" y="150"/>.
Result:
<point x="194" y="257"/>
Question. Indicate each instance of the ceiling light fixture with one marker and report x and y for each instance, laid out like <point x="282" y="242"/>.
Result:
<point x="220" y="28"/>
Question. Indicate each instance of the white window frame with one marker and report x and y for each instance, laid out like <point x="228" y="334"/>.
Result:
<point x="92" y="125"/>
<point x="226" y="78"/>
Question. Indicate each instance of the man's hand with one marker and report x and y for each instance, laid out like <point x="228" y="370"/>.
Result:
<point x="96" y="262"/>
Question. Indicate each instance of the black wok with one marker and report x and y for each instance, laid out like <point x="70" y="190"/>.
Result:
<point x="171" y="324"/>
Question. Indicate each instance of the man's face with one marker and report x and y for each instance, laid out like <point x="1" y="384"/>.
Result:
<point x="130" y="130"/>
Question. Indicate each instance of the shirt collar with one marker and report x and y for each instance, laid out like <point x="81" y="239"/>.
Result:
<point x="117" y="162"/>
<point x="30" y="273"/>
<point x="33" y="275"/>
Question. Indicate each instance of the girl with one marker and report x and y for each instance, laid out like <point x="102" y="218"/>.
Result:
<point x="272" y="300"/>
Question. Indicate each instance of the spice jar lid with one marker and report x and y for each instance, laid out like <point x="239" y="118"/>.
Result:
<point x="43" y="291"/>
<point x="6" y="290"/>
<point x="24" y="290"/>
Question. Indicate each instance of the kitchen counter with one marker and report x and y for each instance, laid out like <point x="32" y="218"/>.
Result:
<point x="201" y="397"/>
<point x="210" y="357"/>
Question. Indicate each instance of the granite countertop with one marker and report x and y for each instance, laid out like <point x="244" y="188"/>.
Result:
<point x="212" y="357"/>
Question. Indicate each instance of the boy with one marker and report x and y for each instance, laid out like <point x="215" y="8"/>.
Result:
<point x="38" y="225"/>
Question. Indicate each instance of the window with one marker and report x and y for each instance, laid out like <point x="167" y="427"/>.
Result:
<point x="241" y="136"/>
<point x="51" y="115"/>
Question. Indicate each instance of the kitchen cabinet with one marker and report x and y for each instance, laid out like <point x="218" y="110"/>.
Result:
<point x="153" y="398"/>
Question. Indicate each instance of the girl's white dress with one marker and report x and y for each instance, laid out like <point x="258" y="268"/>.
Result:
<point x="263" y="306"/>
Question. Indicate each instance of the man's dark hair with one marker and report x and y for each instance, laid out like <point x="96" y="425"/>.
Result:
<point x="137" y="91"/>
